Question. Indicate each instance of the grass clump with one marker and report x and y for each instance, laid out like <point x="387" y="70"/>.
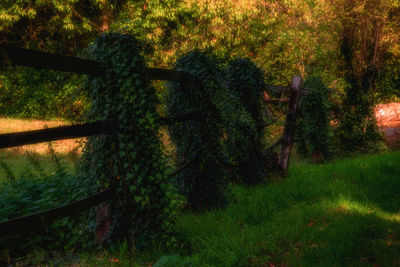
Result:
<point x="37" y="190"/>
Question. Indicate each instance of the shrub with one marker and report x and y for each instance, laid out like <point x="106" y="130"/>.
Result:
<point x="36" y="191"/>
<point x="313" y="122"/>
<point x="246" y="124"/>
<point x="198" y="142"/>
<point x="130" y="159"/>
<point x="31" y="93"/>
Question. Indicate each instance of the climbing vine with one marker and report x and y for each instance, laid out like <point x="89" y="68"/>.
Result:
<point x="245" y="134"/>
<point x="313" y="122"/>
<point x="129" y="160"/>
<point x="198" y="142"/>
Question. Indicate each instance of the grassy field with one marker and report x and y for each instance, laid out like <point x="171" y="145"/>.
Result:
<point x="343" y="213"/>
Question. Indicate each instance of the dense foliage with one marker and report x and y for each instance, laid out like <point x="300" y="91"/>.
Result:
<point x="61" y="26"/>
<point x="33" y="191"/>
<point x="313" y="127"/>
<point x="366" y="45"/>
<point x="246" y="123"/>
<point x="198" y="142"/>
<point x="352" y="45"/>
<point x="29" y="93"/>
<point x="130" y="159"/>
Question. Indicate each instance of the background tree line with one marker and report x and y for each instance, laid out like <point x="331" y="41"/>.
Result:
<point x="353" y="45"/>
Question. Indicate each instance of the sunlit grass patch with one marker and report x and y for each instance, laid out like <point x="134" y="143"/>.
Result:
<point x="20" y="163"/>
<point x="341" y="213"/>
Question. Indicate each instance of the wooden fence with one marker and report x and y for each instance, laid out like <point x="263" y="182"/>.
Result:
<point x="13" y="56"/>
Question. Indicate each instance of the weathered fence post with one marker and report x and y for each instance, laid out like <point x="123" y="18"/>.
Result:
<point x="290" y="125"/>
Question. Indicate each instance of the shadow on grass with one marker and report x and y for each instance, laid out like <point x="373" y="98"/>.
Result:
<point x="347" y="233"/>
<point x="343" y="213"/>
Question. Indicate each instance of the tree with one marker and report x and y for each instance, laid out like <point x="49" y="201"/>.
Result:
<point x="62" y="26"/>
<point x="367" y="32"/>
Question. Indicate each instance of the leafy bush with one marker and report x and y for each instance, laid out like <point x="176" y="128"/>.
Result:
<point x="358" y="131"/>
<point x="129" y="160"/>
<point x="31" y="93"/>
<point x="246" y="124"/>
<point x="198" y="142"/>
<point x="313" y="122"/>
<point x="38" y="191"/>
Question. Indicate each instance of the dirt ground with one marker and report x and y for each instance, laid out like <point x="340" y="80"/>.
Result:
<point x="388" y="119"/>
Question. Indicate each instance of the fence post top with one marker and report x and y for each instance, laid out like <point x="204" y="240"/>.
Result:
<point x="296" y="83"/>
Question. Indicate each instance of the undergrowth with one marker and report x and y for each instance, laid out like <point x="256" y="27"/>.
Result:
<point x="343" y="213"/>
<point x="36" y="190"/>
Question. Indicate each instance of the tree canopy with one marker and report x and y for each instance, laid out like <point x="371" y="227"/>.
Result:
<point x="353" y="45"/>
<point x="59" y="25"/>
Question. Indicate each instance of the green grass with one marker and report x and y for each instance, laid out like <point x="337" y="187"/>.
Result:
<point x="20" y="163"/>
<point x="344" y="213"/>
<point x="338" y="214"/>
<point x="15" y="159"/>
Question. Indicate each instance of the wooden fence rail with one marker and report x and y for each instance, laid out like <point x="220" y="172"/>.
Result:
<point x="39" y="220"/>
<point x="14" y="56"/>
<point x="56" y="133"/>
<point x="76" y="131"/>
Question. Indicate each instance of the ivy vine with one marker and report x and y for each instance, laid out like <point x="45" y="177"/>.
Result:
<point x="198" y="142"/>
<point x="129" y="160"/>
<point x="313" y="122"/>
<point x="244" y="142"/>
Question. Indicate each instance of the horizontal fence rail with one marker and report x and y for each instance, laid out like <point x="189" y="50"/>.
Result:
<point x="76" y="131"/>
<point x="41" y="219"/>
<point x="56" y="133"/>
<point x="14" y="56"/>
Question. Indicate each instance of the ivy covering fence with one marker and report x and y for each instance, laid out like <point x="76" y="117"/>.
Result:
<point x="215" y="117"/>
